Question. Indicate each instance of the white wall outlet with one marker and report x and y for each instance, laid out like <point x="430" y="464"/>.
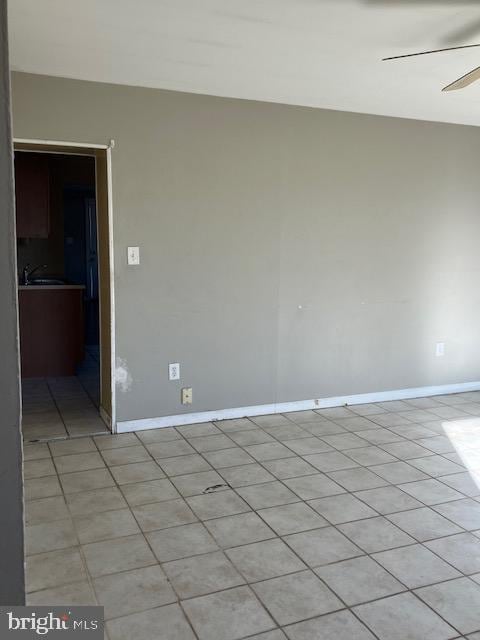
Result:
<point x="187" y="395"/>
<point x="440" y="349"/>
<point x="133" y="255"/>
<point x="174" y="371"/>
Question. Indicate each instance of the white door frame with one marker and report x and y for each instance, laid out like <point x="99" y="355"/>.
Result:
<point x="108" y="148"/>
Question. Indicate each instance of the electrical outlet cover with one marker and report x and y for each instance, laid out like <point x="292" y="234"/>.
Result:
<point x="174" y="371"/>
<point x="187" y="395"/>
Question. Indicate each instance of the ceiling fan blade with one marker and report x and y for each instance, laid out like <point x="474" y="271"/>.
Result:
<point x="425" y="53"/>
<point x="464" y="81"/>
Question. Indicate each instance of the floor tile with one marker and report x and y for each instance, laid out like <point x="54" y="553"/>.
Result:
<point x="314" y="486"/>
<point x="292" y="518"/>
<point x="235" y="424"/>
<point x="71" y="446"/>
<point x="79" y="462"/>
<point x="125" y="455"/>
<point x="46" y="510"/>
<point x="211" y="443"/>
<point x="461" y="550"/>
<point x="344" y="441"/>
<point x="252" y="436"/>
<point x="330" y="461"/>
<point x="227" y="615"/>
<point x="38" y="468"/>
<point x="218" y="504"/>
<point x="95" y="501"/>
<point x="289" y="468"/>
<point x="413" y="431"/>
<point x="323" y="428"/>
<point x="437" y="444"/>
<point x="334" y="626"/>
<point x="406" y="450"/>
<point x="424" y="524"/>
<point x="380" y="436"/>
<point x="431" y="491"/>
<point x="119" y="554"/>
<point x="86" y="480"/>
<point x="152" y="436"/>
<point x="464" y="513"/>
<point x="112" y="441"/>
<point x="181" y="542"/>
<point x="388" y="499"/>
<point x="228" y="457"/>
<point x="53" y="569"/>
<point x="263" y="560"/>
<point x="75" y="594"/>
<point x="369" y="455"/>
<point x="403" y="616"/>
<point x="240" y="529"/>
<point x="304" y="446"/>
<point x="199" y="575"/>
<point x="49" y="536"/>
<point x="359" y="580"/>
<point x="322" y="546"/>
<point x="180" y="465"/>
<point x="131" y="591"/>
<point x="375" y="534"/>
<point x="332" y="413"/>
<point x="194" y="484"/>
<point x="36" y="451"/>
<point x="457" y="601"/>
<point x="357" y="479"/>
<point x="169" y="449"/>
<point x="41" y="487"/>
<point x="357" y="423"/>
<point x="342" y="508"/>
<point x="416" y="566"/>
<point x="397" y="472"/>
<point x="151" y="625"/>
<point x="197" y="430"/>
<point x="286" y="433"/>
<point x="270" y="494"/>
<point x="295" y="597"/>
<point x="104" y="526"/>
<point x="436" y="465"/>
<point x="140" y="493"/>
<point x="160" y="515"/>
<point x="136" y="472"/>
<point x="463" y="482"/>
<point x="303" y="417"/>
<point x="269" y="451"/>
<point x="246" y="475"/>
<point x="273" y="420"/>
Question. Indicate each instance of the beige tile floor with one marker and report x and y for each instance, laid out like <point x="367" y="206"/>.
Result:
<point x="338" y="524"/>
<point x="59" y="408"/>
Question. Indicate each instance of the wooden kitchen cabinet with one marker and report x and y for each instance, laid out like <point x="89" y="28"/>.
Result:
<point x="51" y="329"/>
<point x="32" y="194"/>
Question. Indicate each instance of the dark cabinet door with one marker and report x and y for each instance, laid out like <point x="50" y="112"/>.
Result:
<point x="32" y="193"/>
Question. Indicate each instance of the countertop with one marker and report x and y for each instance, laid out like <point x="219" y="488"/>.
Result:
<point x="38" y="287"/>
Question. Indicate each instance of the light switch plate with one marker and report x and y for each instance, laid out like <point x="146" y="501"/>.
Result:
<point x="440" y="349"/>
<point x="133" y="255"/>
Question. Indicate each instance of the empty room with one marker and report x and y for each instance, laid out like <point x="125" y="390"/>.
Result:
<point x="240" y="370"/>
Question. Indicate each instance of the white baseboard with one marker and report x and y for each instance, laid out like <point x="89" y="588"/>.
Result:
<point x="300" y="405"/>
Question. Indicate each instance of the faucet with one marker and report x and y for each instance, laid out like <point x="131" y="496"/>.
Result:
<point x="27" y="273"/>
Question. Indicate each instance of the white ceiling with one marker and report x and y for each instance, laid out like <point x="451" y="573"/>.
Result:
<point x="320" y="53"/>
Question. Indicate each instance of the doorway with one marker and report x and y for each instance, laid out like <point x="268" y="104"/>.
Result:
<point x="65" y="260"/>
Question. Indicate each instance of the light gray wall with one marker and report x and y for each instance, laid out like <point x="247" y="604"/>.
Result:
<point x="247" y="211"/>
<point x="12" y="585"/>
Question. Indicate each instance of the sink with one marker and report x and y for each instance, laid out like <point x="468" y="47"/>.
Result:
<point x="45" y="281"/>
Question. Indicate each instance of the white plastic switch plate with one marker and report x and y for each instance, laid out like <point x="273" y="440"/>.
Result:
<point x="187" y="395"/>
<point x="440" y="349"/>
<point x="174" y="371"/>
<point x="133" y="255"/>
